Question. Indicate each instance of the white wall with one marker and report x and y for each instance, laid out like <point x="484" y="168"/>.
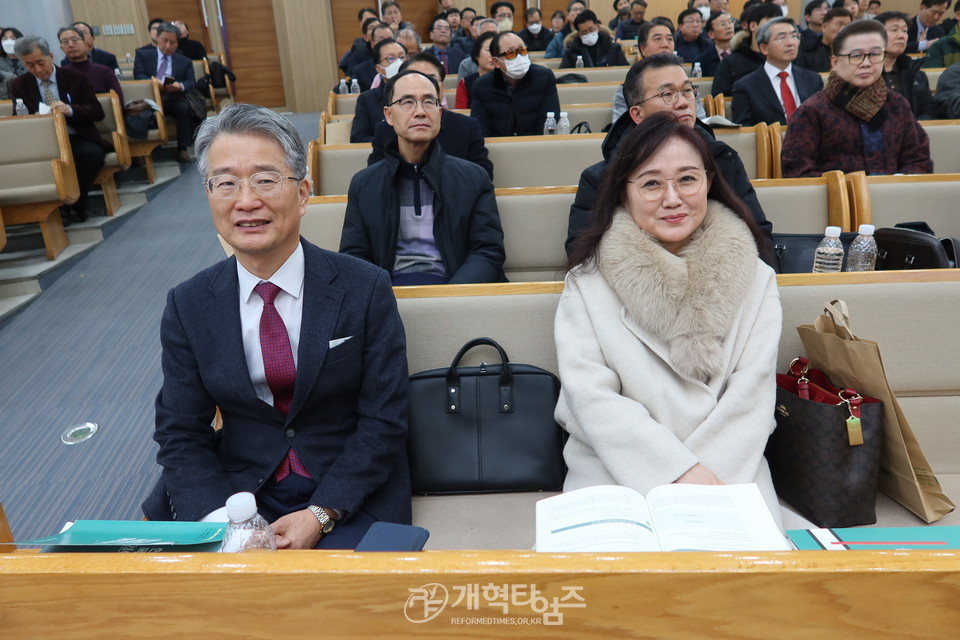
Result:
<point x="38" y="18"/>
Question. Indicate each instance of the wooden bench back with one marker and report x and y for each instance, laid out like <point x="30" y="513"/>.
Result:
<point x="805" y="205"/>
<point x="37" y="148"/>
<point x="884" y="201"/>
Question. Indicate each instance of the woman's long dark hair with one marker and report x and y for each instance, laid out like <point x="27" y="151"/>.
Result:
<point x="640" y="145"/>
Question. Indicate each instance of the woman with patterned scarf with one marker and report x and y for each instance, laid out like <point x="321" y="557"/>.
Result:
<point x="856" y="123"/>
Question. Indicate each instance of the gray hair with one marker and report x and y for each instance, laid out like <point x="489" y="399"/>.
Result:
<point x="415" y="35"/>
<point x="249" y="119"/>
<point x="27" y="44"/>
<point x="763" y="36"/>
<point x="168" y="27"/>
<point x="487" y="21"/>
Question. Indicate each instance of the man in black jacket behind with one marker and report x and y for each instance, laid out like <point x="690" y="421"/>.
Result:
<point x="659" y="83"/>
<point x="513" y="99"/>
<point x="423" y="216"/>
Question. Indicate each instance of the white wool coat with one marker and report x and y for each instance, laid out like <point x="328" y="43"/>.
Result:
<point x="667" y="361"/>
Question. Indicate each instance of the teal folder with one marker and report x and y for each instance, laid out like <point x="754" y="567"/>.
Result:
<point x="133" y="535"/>
<point x="876" y="538"/>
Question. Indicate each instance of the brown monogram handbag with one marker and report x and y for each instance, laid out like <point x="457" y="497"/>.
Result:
<point x="824" y="455"/>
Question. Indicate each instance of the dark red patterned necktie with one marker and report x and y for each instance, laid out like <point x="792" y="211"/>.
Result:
<point x="280" y="370"/>
<point x="789" y="104"/>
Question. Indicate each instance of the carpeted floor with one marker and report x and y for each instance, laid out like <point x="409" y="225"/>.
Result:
<point x="88" y="351"/>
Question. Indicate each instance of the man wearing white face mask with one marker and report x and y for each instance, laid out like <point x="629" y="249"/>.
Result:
<point x="388" y="55"/>
<point x="513" y="100"/>
<point x="593" y="44"/>
<point x="535" y="37"/>
<point x="502" y="12"/>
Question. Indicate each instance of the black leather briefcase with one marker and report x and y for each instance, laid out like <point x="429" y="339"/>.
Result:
<point x="485" y="429"/>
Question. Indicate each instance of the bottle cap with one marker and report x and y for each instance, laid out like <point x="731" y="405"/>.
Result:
<point x="833" y="232"/>
<point x="563" y="114"/>
<point x="549" y="114"/>
<point x="867" y="229"/>
<point x="241" y="506"/>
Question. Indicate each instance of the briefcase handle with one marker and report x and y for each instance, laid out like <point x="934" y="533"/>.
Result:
<point x="506" y="378"/>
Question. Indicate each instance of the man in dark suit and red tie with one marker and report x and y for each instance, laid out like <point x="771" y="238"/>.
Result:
<point x="69" y="93"/>
<point x="449" y="57"/>
<point x="174" y="72"/>
<point x="302" y="350"/>
<point x="774" y="91"/>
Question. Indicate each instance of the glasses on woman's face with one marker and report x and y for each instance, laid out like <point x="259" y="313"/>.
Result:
<point x="856" y="57"/>
<point x="409" y="104"/>
<point x="388" y="60"/>
<point x="513" y="53"/>
<point x="653" y="189"/>
<point x="265" y="183"/>
<point x="670" y="96"/>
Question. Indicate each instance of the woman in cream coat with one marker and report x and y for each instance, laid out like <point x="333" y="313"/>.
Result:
<point x="668" y="326"/>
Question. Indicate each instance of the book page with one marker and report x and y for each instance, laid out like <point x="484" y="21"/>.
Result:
<point x="731" y="517"/>
<point x="602" y="518"/>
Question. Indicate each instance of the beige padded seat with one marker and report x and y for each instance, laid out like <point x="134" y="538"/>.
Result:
<point x="884" y="201"/>
<point x="113" y="130"/>
<point x="944" y="144"/>
<point x="598" y="74"/>
<point x="806" y="205"/>
<point x="200" y="69"/>
<point x="586" y="92"/>
<point x="539" y="161"/>
<point x="753" y="145"/>
<point x="37" y="175"/>
<point x="146" y="90"/>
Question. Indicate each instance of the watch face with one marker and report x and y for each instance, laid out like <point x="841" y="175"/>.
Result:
<point x="328" y="526"/>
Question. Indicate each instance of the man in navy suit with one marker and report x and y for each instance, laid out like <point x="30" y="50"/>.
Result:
<point x="174" y="72"/>
<point x="922" y="29"/>
<point x="71" y="95"/>
<point x="774" y="91"/>
<point x="449" y="57"/>
<point x="324" y="449"/>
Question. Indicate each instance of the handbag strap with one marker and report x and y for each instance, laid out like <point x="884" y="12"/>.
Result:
<point x="838" y="312"/>
<point x="506" y="378"/>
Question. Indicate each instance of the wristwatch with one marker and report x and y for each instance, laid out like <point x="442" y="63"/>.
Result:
<point x="326" y="522"/>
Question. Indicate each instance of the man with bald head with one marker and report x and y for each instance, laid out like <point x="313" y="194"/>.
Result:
<point x="423" y="216"/>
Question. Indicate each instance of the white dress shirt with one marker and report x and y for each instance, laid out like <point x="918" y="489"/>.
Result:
<point x="772" y="72"/>
<point x="289" y="304"/>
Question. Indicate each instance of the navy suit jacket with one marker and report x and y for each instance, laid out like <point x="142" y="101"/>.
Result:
<point x="459" y="136"/>
<point x="754" y="99"/>
<point x="75" y="90"/>
<point x="366" y="114"/>
<point x="913" y="32"/>
<point x="454" y="57"/>
<point x="145" y="67"/>
<point x="348" y="417"/>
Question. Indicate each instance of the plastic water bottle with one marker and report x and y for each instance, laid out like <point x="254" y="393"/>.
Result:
<point x="563" y="125"/>
<point x="550" y="126"/>
<point x="129" y="59"/>
<point x="829" y="256"/>
<point x="863" y="251"/>
<point x="247" y="530"/>
<point x="579" y="64"/>
<point x="342" y="88"/>
<point x="119" y="74"/>
<point x="697" y="72"/>
<point x="21" y="108"/>
<point x="354" y="86"/>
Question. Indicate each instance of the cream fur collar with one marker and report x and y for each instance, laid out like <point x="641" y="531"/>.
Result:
<point x="689" y="300"/>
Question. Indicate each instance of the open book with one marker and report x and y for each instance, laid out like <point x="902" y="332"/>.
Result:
<point x="673" y="517"/>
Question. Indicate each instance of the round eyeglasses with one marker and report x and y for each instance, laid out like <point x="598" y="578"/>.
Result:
<point x="687" y="183"/>
<point x="670" y="96"/>
<point x="264" y="183"/>
<point x="857" y="57"/>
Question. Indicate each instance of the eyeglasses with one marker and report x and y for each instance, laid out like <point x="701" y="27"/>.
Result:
<point x="264" y="183"/>
<point x="687" y="183"/>
<point x="784" y="37"/>
<point x="409" y="104"/>
<point x="857" y="56"/>
<point x="670" y="97"/>
<point x="440" y="28"/>
<point x="693" y="21"/>
<point x="71" y="41"/>
<point x="391" y="59"/>
<point x="513" y="53"/>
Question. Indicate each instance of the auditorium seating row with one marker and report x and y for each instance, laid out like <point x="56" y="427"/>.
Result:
<point x="147" y="90"/>
<point x="480" y="545"/>
<point x="535" y="219"/>
<point x="944" y="141"/>
<point x="38" y="174"/>
<point x="519" y="161"/>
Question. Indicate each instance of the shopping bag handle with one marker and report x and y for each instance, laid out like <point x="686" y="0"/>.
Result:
<point x="506" y="378"/>
<point x="838" y="313"/>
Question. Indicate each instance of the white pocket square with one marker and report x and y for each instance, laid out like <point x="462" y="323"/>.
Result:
<point x="338" y="341"/>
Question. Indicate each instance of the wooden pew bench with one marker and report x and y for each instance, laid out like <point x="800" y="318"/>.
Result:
<point x="112" y="129"/>
<point x="37" y="175"/>
<point x="913" y="320"/>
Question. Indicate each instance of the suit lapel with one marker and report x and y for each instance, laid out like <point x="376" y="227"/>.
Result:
<point x="321" y="308"/>
<point x="223" y="326"/>
<point x="768" y="94"/>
